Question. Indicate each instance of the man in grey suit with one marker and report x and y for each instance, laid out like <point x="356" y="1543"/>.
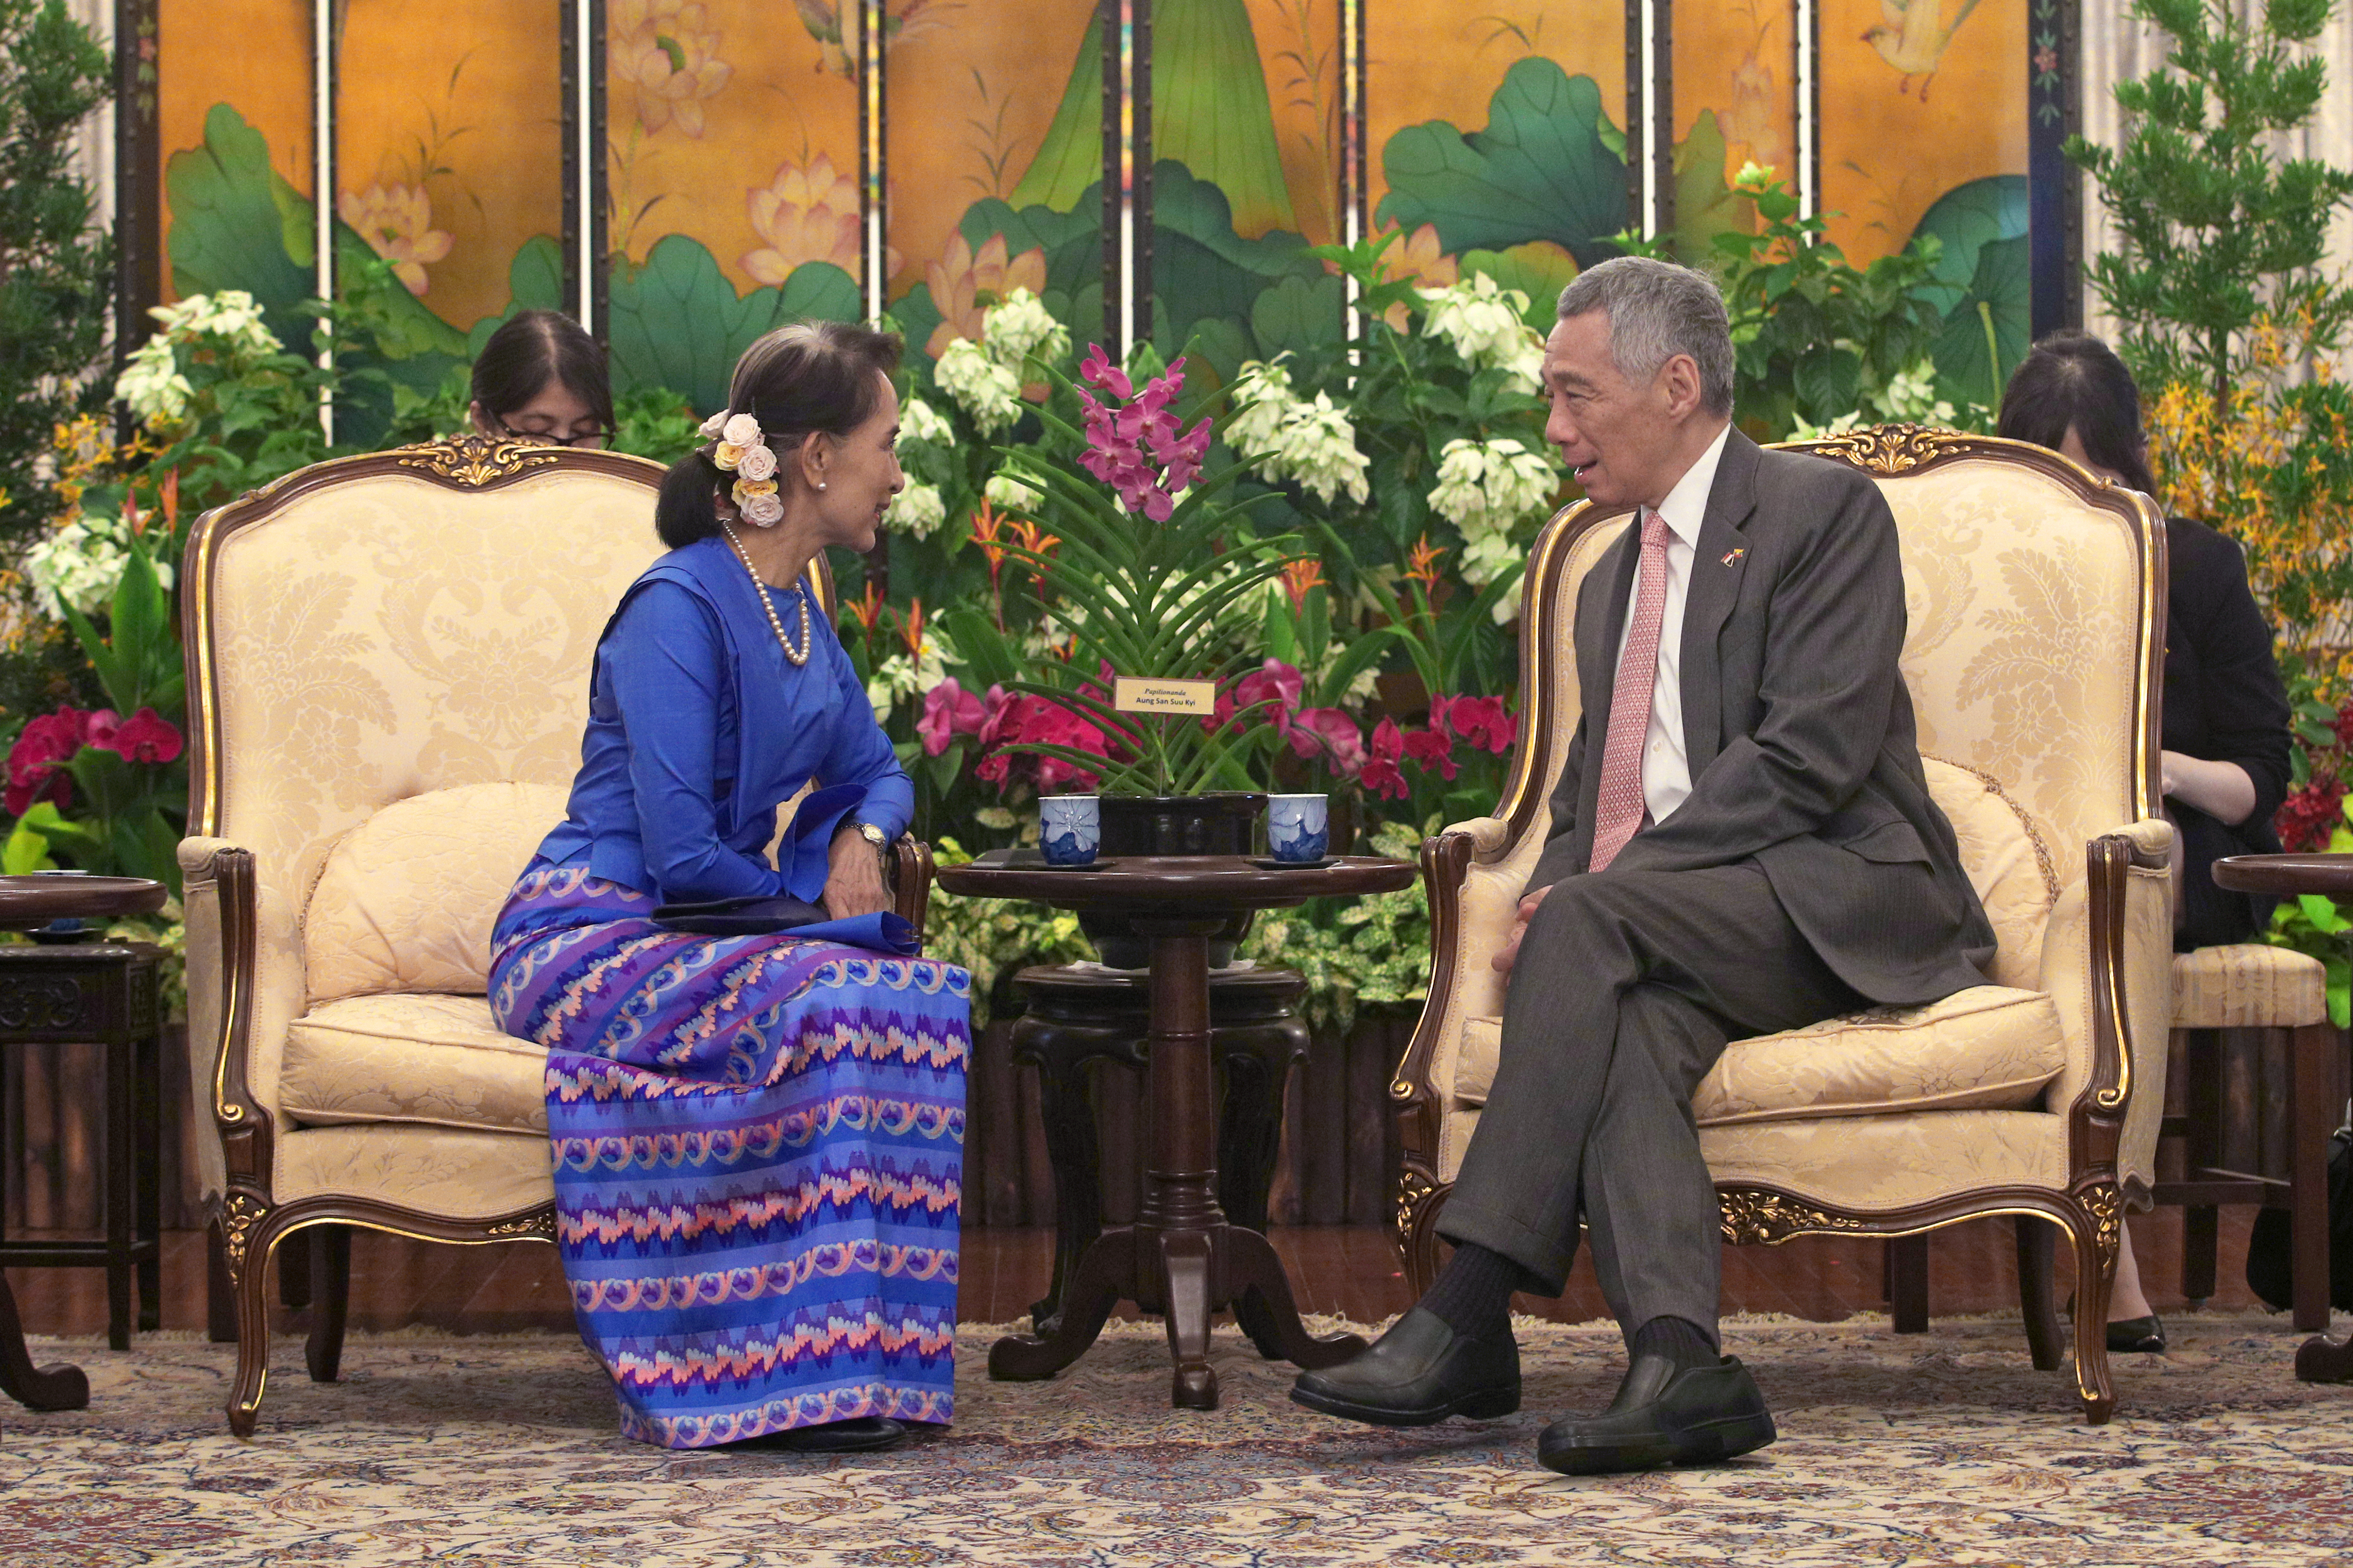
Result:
<point x="1742" y="842"/>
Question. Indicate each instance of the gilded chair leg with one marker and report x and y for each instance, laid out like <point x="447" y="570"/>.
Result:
<point x="252" y="1284"/>
<point x="331" y="1297"/>
<point x="2037" y="1249"/>
<point x="2095" y="1275"/>
<point x="1417" y="1232"/>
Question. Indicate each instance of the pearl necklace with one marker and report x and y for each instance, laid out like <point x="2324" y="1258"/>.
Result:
<point x="768" y="604"/>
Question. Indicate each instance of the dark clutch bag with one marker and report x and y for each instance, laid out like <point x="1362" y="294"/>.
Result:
<point x="751" y="915"/>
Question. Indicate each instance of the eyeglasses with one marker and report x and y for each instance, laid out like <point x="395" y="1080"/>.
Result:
<point x="596" y="437"/>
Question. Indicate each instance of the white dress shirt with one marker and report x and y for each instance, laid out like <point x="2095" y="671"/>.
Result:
<point x="1666" y="762"/>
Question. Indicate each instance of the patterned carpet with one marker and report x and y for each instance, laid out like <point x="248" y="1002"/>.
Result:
<point x="1935" y="1450"/>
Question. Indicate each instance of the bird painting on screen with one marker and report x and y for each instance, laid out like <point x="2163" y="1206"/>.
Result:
<point x="1914" y="38"/>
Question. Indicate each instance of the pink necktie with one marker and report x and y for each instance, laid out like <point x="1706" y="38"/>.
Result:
<point x="1619" y="811"/>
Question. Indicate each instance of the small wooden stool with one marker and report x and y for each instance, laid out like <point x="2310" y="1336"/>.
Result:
<point x="1077" y="1014"/>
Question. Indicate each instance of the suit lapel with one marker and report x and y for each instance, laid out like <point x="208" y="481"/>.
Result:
<point x="1718" y="562"/>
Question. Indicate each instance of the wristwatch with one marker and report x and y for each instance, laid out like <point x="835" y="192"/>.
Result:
<point x="876" y="836"/>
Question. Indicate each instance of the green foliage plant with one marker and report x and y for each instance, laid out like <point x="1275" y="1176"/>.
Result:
<point x="56" y="273"/>
<point x="2218" y="234"/>
<point x="1814" y="337"/>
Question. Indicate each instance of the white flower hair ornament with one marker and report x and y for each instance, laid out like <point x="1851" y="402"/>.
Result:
<point x="742" y="450"/>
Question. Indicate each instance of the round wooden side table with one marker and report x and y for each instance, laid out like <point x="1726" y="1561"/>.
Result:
<point x="1182" y="1258"/>
<point x="2286" y="877"/>
<point x="68" y="992"/>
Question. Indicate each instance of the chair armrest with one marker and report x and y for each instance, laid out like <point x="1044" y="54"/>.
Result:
<point x="2128" y="933"/>
<point x="909" y="872"/>
<point x="1473" y="893"/>
<point x="220" y="902"/>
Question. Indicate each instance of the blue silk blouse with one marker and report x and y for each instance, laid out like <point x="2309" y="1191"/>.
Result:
<point x="677" y="793"/>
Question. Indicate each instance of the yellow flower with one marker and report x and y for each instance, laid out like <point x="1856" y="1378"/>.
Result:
<point x="397" y="222"/>
<point x="668" y="52"/>
<point x="727" y="455"/>
<point x="746" y="488"/>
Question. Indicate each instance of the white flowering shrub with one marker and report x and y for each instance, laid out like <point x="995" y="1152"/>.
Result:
<point x="899" y="676"/>
<point x="918" y="509"/>
<point x="152" y="383"/>
<point x="1911" y="394"/>
<point x="987" y="390"/>
<point x="81" y="563"/>
<point x="919" y="421"/>
<point x="1005" y="489"/>
<point x="1487" y="326"/>
<point x="1312" y="443"/>
<point x="1019" y="326"/>
<point x="1487" y="489"/>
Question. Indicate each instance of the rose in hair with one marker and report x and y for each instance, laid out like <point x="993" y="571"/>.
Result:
<point x="743" y="430"/>
<point x="756" y="463"/>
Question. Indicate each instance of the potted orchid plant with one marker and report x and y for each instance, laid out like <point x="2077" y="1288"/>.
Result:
<point x="1153" y="578"/>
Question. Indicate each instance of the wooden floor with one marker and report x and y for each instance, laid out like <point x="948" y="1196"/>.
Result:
<point x="1348" y="1271"/>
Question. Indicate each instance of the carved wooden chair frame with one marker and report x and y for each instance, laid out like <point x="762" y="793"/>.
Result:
<point x="2089" y="1209"/>
<point x="246" y="1221"/>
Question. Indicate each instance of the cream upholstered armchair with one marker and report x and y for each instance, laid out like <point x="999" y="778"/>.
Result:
<point x="388" y="659"/>
<point x="2036" y="599"/>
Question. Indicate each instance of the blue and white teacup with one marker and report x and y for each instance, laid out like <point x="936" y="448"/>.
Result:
<point x="1298" y="826"/>
<point x="1070" y="829"/>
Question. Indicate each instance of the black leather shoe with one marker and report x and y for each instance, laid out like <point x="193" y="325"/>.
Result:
<point x="857" y="1435"/>
<point x="1419" y="1372"/>
<point x="2137" y="1336"/>
<point x="1662" y="1417"/>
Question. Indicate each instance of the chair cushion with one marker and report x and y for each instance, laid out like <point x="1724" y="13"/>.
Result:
<point x="1989" y="1047"/>
<point x="422" y="1059"/>
<point x="2007" y="862"/>
<point x="2247" y="986"/>
<point x="406" y="900"/>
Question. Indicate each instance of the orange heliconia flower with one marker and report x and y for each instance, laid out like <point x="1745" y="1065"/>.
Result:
<point x="1423" y="567"/>
<point x="867" y="608"/>
<point x="911" y="627"/>
<point x="1298" y="577"/>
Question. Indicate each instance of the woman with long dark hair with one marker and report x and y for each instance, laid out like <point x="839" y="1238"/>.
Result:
<point x="541" y="379"/>
<point x="2225" y="761"/>
<point x="757" y="1137"/>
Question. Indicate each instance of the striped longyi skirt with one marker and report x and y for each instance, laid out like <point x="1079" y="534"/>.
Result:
<point x="758" y="1147"/>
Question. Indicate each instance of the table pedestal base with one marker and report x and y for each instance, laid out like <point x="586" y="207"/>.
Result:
<point x="58" y="1387"/>
<point x="1181" y="1258"/>
<point x="1187" y="1275"/>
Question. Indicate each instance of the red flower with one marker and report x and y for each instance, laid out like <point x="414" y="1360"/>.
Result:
<point x="1381" y="774"/>
<point x="1328" y="734"/>
<point x="145" y="737"/>
<point x="2305" y="820"/>
<point x="1035" y="720"/>
<point x="36" y="762"/>
<point x="1432" y="752"/>
<point x="2345" y="725"/>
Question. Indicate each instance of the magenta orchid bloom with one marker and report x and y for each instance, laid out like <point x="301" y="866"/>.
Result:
<point x="1432" y="752"/>
<point x="1381" y="774"/>
<point x="1481" y="720"/>
<point x="1137" y="446"/>
<point x="1328" y="734"/>
<point x="145" y="737"/>
<point x="36" y="762"/>
<point x="949" y="710"/>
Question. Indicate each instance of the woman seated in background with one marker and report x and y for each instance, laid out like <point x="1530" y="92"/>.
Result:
<point x="541" y="379"/>
<point x="2225" y="761"/>
<point x="758" y="1138"/>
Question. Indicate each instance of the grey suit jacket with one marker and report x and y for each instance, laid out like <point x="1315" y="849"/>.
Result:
<point x="1798" y="726"/>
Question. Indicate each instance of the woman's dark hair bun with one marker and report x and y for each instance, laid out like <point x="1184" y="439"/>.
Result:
<point x="531" y="350"/>
<point x="798" y="381"/>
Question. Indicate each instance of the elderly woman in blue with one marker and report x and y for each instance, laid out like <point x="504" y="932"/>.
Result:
<point x="758" y="1138"/>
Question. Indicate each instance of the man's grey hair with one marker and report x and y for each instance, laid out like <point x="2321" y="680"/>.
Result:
<point x="1657" y="310"/>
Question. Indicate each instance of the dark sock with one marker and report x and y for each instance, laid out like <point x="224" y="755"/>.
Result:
<point x="1684" y="1343"/>
<point x="1473" y="1292"/>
